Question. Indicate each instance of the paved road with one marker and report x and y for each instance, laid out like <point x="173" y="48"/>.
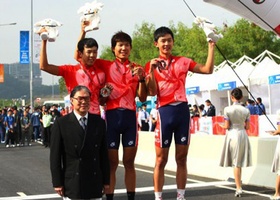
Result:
<point x="24" y="174"/>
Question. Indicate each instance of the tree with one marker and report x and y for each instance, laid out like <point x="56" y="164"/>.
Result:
<point x="243" y="38"/>
<point x="62" y="86"/>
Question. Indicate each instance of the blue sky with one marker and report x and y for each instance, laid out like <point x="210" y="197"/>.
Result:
<point x="116" y="15"/>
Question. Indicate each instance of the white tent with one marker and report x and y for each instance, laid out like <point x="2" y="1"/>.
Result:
<point x="259" y="83"/>
<point x="204" y="82"/>
<point x="232" y="73"/>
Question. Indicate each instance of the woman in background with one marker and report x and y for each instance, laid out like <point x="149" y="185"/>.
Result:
<point x="236" y="151"/>
<point x="276" y="160"/>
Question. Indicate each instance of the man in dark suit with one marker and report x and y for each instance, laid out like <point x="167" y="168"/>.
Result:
<point x="78" y="153"/>
<point x="211" y="111"/>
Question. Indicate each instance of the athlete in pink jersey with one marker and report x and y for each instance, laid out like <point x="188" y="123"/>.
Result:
<point x="166" y="77"/>
<point x="127" y="80"/>
<point x="86" y="73"/>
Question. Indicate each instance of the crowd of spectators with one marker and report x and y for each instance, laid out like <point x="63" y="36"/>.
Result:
<point x="21" y="126"/>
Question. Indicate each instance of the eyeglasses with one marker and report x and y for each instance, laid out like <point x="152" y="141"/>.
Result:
<point x="81" y="99"/>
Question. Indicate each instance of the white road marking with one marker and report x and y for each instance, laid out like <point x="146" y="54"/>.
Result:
<point x="195" y="184"/>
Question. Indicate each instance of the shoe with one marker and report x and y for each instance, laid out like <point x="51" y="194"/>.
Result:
<point x="13" y="145"/>
<point x="17" y="145"/>
<point x="29" y="144"/>
<point x="181" y="198"/>
<point x="7" y="146"/>
<point x="238" y="193"/>
<point x="275" y="197"/>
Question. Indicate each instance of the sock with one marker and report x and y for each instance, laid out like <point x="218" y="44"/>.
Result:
<point x="130" y="195"/>
<point x="158" y="195"/>
<point x="109" y="196"/>
<point x="180" y="193"/>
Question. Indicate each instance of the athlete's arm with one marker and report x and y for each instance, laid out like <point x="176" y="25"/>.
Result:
<point x="44" y="64"/>
<point x="209" y="65"/>
<point x="150" y="80"/>
<point x="142" y="89"/>
<point x="81" y="36"/>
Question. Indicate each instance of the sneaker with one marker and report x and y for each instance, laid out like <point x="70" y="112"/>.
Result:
<point x="7" y="146"/>
<point x="181" y="198"/>
<point x="29" y="144"/>
<point x="275" y="197"/>
<point x="13" y="145"/>
<point x="238" y="192"/>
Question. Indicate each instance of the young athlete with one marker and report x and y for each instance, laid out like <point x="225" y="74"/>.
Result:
<point x="166" y="77"/>
<point x="86" y="72"/>
<point x="127" y="80"/>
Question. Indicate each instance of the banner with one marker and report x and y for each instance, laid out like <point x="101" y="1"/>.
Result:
<point x="192" y="90"/>
<point x="1" y="73"/>
<point x="226" y="86"/>
<point x="24" y="47"/>
<point x="36" y="48"/>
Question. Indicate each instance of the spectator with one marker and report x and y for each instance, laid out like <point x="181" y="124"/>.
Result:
<point x="46" y="121"/>
<point x="2" y="126"/>
<point x="25" y="126"/>
<point x="17" y="126"/>
<point x="10" y="124"/>
<point x="195" y="111"/>
<point x="211" y="110"/>
<point x="143" y="118"/>
<point x="202" y="111"/>
<point x="153" y="118"/>
<point x="251" y="107"/>
<point x="260" y="107"/>
<point x="35" y="121"/>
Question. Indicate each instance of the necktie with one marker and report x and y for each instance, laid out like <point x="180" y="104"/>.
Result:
<point x="83" y="122"/>
<point x="145" y="114"/>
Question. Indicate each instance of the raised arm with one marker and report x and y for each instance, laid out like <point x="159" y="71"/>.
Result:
<point x="81" y="36"/>
<point x="209" y="65"/>
<point x="44" y="64"/>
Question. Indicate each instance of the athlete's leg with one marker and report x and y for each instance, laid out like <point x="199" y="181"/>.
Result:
<point x="129" y="154"/>
<point x="114" y="162"/>
<point x="161" y="160"/>
<point x="181" y="160"/>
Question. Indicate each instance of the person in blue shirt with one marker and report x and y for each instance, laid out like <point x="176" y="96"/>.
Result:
<point x="9" y="124"/>
<point x="251" y="107"/>
<point x="260" y="107"/>
<point x="35" y="122"/>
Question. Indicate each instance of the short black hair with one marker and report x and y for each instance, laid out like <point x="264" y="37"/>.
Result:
<point x="237" y="93"/>
<point x="162" y="31"/>
<point x="87" y="42"/>
<point x="120" y="36"/>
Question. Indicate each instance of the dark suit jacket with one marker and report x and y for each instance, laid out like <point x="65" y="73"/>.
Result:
<point x="79" y="159"/>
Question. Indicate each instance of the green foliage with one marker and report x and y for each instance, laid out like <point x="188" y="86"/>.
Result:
<point x="243" y="38"/>
<point x="62" y="86"/>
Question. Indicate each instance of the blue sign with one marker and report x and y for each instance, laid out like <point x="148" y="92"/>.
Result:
<point x="193" y="90"/>
<point x="275" y="79"/>
<point x="226" y="86"/>
<point x="24" y="47"/>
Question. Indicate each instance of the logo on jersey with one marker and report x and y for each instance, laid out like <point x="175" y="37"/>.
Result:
<point x="166" y="142"/>
<point x="183" y="139"/>
<point x="112" y="144"/>
<point x="130" y="143"/>
<point x="258" y="1"/>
